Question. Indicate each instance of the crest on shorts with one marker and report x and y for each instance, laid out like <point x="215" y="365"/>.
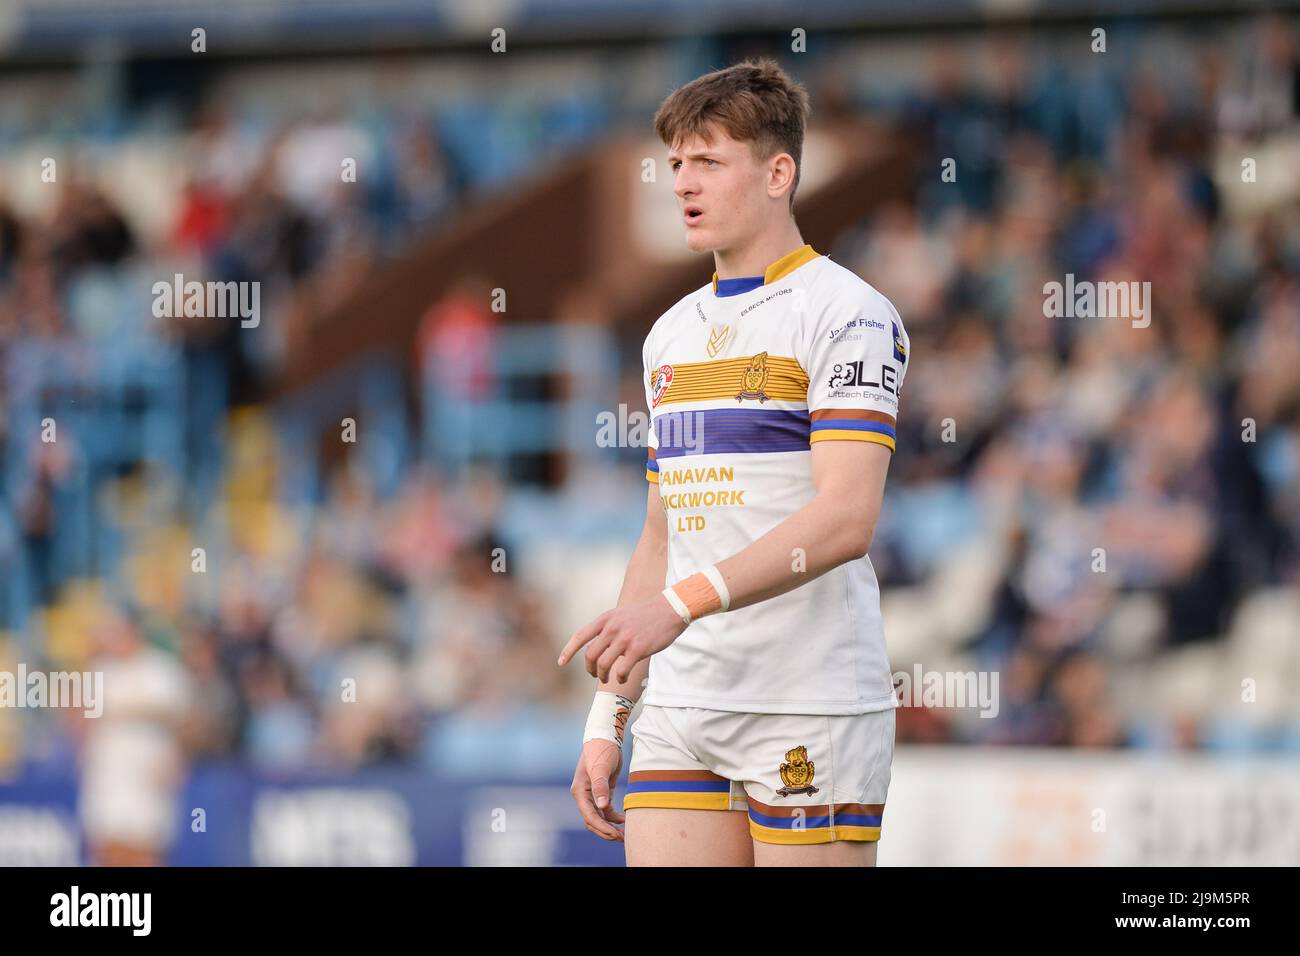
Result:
<point x="755" y="376"/>
<point x="797" y="773"/>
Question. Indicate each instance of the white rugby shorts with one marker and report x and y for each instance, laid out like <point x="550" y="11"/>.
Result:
<point x="803" y="778"/>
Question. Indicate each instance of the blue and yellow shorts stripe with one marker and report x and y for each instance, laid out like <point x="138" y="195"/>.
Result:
<point x="823" y="823"/>
<point x="797" y="824"/>
<point x="677" y="790"/>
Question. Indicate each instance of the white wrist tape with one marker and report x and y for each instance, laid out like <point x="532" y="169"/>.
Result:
<point x="715" y="578"/>
<point x="608" y="717"/>
<point x="678" y="605"/>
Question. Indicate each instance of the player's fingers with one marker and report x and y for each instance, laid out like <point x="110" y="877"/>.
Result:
<point x="596" y="823"/>
<point x="603" y="761"/>
<point x="581" y="637"/>
<point x="605" y="661"/>
<point x="603" y="828"/>
<point x="622" y="670"/>
<point x="616" y="837"/>
<point x="603" y="792"/>
<point x="598" y="774"/>
<point x="595" y="649"/>
<point x="600" y="792"/>
<point x="630" y="653"/>
<point x="613" y="815"/>
<point x="592" y="817"/>
<point x="607" y="774"/>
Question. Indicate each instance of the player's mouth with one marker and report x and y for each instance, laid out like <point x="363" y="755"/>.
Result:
<point x="692" y="214"/>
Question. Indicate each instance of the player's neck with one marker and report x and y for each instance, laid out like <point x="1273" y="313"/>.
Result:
<point x="754" y="257"/>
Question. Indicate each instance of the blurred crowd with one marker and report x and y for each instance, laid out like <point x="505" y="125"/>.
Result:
<point x="256" y="200"/>
<point x="1089" y="465"/>
<point x="329" y="633"/>
<point x="1073" y="499"/>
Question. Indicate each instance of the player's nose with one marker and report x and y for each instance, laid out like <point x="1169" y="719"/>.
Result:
<point x="685" y="185"/>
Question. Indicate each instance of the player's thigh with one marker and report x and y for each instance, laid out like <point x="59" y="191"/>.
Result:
<point x="663" y="836"/>
<point x="678" y="811"/>
<point x="840" y="853"/>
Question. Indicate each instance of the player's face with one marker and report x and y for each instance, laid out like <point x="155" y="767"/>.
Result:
<point x="721" y="191"/>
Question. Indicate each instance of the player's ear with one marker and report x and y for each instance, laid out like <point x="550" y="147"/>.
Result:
<point x="781" y="170"/>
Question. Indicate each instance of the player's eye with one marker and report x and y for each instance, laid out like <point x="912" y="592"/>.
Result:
<point x="676" y="164"/>
<point x="713" y="162"/>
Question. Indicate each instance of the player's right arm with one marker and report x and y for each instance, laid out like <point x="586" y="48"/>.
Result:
<point x="602" y="756"/>
<point x="647" y="571"/>
<point x="645" y="576"/>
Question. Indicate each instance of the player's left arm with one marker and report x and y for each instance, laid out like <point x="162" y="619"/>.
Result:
<point x="836" y="526"/>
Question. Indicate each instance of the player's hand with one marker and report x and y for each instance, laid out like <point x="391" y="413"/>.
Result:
<point x="620" y="638"/>
<point x="593" y="785"/>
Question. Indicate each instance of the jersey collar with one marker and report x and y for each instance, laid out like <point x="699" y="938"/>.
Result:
<point x="783" y="266"/>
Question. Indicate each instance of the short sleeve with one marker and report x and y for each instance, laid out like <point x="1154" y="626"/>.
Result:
<point x="856" y="359"/>
<point x="649" y="372"/>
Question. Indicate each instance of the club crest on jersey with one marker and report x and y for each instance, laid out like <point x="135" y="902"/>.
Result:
<point x="900" y="349"/>
<point x="718" y="339"/>
<point x="754" y="378"/>
<point x="797" y="773"/>
<point x="659" y="382"/>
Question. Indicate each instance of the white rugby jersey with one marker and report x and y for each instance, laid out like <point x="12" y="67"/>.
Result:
<point x="739" y="386"/>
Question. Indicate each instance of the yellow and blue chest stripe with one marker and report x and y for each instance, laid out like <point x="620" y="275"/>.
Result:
<point x="740" y="423"/>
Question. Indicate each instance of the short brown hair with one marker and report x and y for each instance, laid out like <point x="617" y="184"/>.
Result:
<point x="755" y="101"/>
